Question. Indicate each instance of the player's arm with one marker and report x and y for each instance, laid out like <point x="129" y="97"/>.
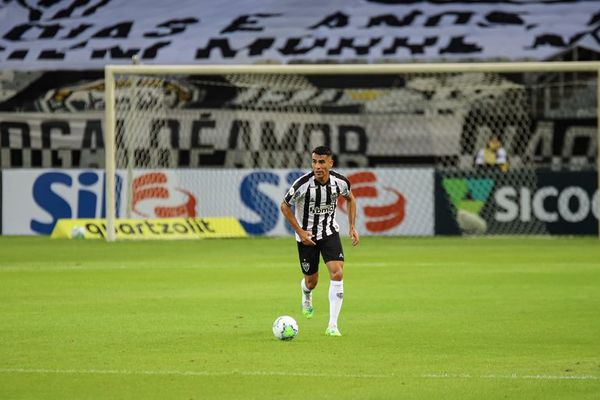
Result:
<point x="502" y="160"/>
<point x="305" y="236"/>
<point x="352" y="219"/>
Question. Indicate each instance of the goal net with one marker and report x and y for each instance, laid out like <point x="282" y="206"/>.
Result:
<point x="429" y="149"/>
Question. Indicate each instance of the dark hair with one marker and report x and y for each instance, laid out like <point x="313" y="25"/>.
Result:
<point x="323" y="151"/>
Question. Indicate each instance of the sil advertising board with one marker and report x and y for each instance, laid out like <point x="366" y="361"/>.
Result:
<point x="390" y="201"/>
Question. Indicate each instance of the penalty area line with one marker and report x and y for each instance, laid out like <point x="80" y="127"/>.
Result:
<point x="515" y="376"/>
<point x="183" y="373"/>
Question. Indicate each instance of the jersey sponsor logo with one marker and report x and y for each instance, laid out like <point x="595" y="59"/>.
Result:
<point x="326" y="209"/>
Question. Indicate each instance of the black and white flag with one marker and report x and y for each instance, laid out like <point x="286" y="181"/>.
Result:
<point x="74" y="34"/>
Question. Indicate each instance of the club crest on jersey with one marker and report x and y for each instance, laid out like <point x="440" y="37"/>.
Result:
<point x="327" y="209"/>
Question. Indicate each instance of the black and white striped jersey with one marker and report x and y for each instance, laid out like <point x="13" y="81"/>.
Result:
<point x="316" y="203"/>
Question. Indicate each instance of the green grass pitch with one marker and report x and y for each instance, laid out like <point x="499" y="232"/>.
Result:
<point x="423" y="318"/>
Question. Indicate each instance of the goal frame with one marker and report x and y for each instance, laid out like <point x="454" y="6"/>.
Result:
<point x="313" y="69"/>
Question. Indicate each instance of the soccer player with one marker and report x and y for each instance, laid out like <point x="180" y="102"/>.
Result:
<point x="315" y="195"/>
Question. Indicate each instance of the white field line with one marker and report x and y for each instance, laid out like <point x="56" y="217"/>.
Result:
<point x="542" y="377"/>
<point x="184" y="373"/>
<point x="134" y="266"/>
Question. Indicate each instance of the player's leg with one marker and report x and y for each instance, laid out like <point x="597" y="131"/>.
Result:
<point x="336" y="295"/>
<point x="307" y="284"/>
<point x="333" y="255"/>
<point x="309" y="262"/>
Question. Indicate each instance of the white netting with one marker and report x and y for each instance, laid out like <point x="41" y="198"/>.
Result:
<point x="382" y="122"/>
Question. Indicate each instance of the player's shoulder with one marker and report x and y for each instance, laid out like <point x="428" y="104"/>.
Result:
<point x="337" y="175"/>
<point x="303" y="179"/>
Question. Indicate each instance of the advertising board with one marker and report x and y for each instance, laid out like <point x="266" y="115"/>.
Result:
<point x="390" y="201"/>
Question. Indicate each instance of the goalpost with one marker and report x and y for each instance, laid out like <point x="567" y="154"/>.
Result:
<point x="419" y="126"/>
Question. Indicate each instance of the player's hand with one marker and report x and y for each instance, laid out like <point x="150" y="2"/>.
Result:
<point x="306" y="238"/>
<point x="354" y="237"/>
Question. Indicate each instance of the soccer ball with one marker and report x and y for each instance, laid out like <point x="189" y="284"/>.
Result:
<point x="285" y="328"/>
<point x="78" y="232"/>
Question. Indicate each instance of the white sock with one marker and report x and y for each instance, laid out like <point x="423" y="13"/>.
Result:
<point x="306" y="293"/>
<point x="336" y="297"/>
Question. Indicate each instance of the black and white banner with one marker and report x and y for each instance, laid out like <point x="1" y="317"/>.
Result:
<point x="234" y="139"/>
<point x="74" y="34"/>
<point x="256" y="139"/>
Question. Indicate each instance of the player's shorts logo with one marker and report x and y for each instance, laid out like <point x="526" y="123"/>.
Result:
<point x="305" y="265"/>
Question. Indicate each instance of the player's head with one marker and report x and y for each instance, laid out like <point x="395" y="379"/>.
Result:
<point x="322" y="162"/>
<point x="494" y="143"/>
<point x="323" y="151"/>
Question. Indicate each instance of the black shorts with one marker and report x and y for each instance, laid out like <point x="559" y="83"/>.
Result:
<point x="330" y="248"/>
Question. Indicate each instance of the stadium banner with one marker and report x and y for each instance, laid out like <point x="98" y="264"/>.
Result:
<point x="388" y="204"/>
<point x="518" y="202"/>
<point x="150" y="229"/>
<point x="90" y="34"/>
<point x="212" y="138"/>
